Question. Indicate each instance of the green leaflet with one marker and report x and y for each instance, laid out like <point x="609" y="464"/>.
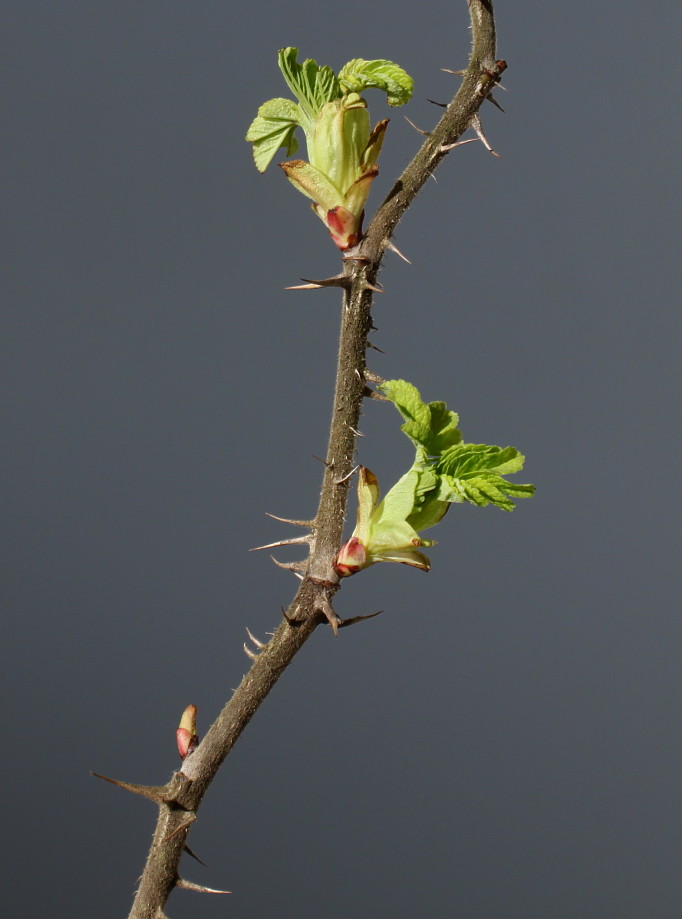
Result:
<point x="358" y="75"/>
<point x="460" y="472"/>
<point x="430" y="425"/>
<point x="273" y="128"/>
<point x="312" y="85"/>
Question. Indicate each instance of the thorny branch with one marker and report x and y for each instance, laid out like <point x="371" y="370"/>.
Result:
<point x="179" y="800"/>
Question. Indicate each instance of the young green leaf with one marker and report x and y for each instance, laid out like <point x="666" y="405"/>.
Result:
<point x="312" y="85"/>
<point x="474" y="473"/>
<point x="272" y="128"/>
<point x="431" y="425"/>
<point x="359" y="74"/>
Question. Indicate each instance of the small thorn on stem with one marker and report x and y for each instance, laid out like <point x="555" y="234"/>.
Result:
<point x="320" y="460"/>
<point x="346" y="477"/>
<point x="460" y="143"/>
<point x="294" y="541"/>
<point x="199" y="888"/>
<point x="355" y="431"/>
<point x="392" y="246"/>
<point x="194" y="855"/>
<point x="256" y="641"/>
<point x="375" y="348"/>
<point x="249" y="653"/>
<point x="339" y="280"/>
<point x="332" y="618"/>
<point x="346" y="622"/>
<point x="373" y="377"/>
<point x="153" y="792"/>
<point x="297" y="523"/>
<point x="294" y="567"/>
<point x="418" y="130"/>
<point x="439" y="104"/>
<point x="478" y="128"/>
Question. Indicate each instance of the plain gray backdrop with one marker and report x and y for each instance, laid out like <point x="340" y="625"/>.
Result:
<point x="504" y="742"/>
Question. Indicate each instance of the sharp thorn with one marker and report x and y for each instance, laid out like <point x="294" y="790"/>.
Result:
<point x="304" y="287"/>
<point x="330" y="615"/>
<point x="494" y="101"/>
<point x="439" y="104"/>
<point x="345" y="622"/>
<point x="153" y="792"/>
<point x="339" y="280"/>
<point x="355" y="431"/>
<point x="457" y="73"/>
<point x="392" y="246"/>
<point x="256" y="641"/>
<point x="308" y="524"/>
<point x="373" y="394"/>
<point x="478" y="128"/>
<point x="459" y="143"/>
<point x="375" y="347"/>
<point x="294" y="567"/>
<point x="198" y="888"/>
<point x="368" y="286"/>
<point x="194" y="856"/>
<point x="346" y="477"/>
<point x="294" y="541"/>
<point x="374" y="377"/>
<point x="249" y="653"/>
<point x="320" y="460"/>
<point x="418" y="130"/>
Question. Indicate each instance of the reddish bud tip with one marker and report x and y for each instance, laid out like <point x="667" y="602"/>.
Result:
<point x="352" y="558"/>
<point x="343" y="226"/>
<point x="186" y="733"/>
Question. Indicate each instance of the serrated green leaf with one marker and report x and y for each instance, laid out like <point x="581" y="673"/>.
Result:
<point x="407" y="400"/>
<point x="444" y="430"/>
<point x="273" y="128"/>
<point x="481" y="490"/>
<point x="431" y="425"/>
<point x="465" y="460"/>
<point x="359" y="74"/>
<point x="312" y="85"/>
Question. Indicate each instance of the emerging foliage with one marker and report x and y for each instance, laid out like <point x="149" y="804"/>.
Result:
<point x="445" y="471"/>
<point x="342" y="150"/>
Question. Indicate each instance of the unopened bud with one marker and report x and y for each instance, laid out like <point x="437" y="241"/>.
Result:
<point x="352" y="558"/>
<point x="186" y="733"/>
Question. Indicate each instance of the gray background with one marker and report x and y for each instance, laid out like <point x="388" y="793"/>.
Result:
<point x="504" y="742"/>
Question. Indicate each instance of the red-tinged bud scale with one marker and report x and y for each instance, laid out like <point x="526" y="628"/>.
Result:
<point x="352" y="558"/>
<point x="186" y="734"/>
